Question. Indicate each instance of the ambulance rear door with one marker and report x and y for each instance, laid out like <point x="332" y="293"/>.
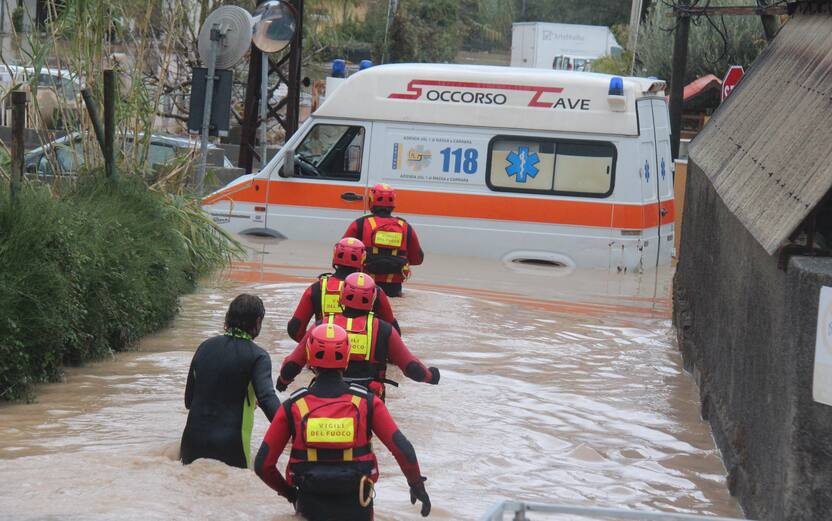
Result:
<point x="329" y="187"/>
<point x="649" y="176"/>
<point x="661" y="121"/>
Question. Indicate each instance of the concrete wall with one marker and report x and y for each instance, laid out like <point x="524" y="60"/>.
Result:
<point x="747" y="332"/>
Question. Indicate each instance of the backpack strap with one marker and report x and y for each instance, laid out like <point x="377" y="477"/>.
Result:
<point x="359" y="393"/>
<point x="295" y="396"/>
<point x="370" y="397"/>
<point x="359" y="224"/>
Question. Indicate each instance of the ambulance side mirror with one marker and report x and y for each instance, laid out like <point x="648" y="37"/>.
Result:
<point x="288" y="167"/>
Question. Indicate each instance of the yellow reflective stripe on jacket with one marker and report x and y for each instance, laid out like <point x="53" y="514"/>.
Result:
<point x="330" y="302"/>
<point x="356" y="400"/>
<point x="360" y="343"/>
<point x="303" y="408"/>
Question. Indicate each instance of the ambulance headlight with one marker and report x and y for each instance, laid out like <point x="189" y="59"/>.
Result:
<point x="339" y="68"/>
<point x="616" y="86"/>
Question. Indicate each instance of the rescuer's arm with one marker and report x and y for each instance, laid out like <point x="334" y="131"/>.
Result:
<point x="300" y="318"/>
<point x="292" y="365"/>
<point x="415" y="255"/>
<point x="411" y="366"/>
<point x="265" y="464"/>
<point x="384" y="310"/>
<point x="388" y="432"/>
<point x="261" y="380"/>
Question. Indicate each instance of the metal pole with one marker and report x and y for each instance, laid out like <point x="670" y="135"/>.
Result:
<point x="293" y="93"/>
<point x="206" y="108"/>
<point x="18" y="127"/>
<point x="386" y="30"/>
<point x="264" y="102"/>
<point x="677" y="77"/>
<point x="248" y="127"/>
<point x="632" y="38"/>
<point x="771" y="23"/>
<point x="635" y="19"/>
<point x="109" y="122"/>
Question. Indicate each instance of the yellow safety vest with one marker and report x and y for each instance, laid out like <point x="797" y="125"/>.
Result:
<point x="330" y="302"/>
<point x="360" y="341"/>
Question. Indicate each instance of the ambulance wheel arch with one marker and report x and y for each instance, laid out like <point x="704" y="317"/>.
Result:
<point x="539" y="262"/>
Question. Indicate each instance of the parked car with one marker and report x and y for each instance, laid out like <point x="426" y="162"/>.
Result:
<point x="66" y="84"/>
<point x="68" y="153"/>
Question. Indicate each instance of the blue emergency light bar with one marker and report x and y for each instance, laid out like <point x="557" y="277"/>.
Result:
<point x="339" y="68"/>
<point x="616" y="86"/>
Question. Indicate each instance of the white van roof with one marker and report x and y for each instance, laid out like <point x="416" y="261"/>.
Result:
<point x="489" y="96"/>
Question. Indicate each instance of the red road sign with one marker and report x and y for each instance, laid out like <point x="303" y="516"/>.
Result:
<point x="732" y="77"/>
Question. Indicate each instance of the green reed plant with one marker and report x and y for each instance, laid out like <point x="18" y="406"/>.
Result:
<point x="91" y="271"/>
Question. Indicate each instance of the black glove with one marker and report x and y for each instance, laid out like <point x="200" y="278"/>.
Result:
<point x="281" y="385"/>
<point x="291" y="495"/>
<point x="434" y="375"/>
<point x="417" y="491"/>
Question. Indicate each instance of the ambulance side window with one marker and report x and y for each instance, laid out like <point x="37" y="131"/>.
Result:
<point x="331" y="152"/>
<point x="551" y="166"/>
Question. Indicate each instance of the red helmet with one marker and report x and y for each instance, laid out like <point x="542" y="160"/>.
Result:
<point x="383" y="196"/>
<point x="349" y="252"/>
<point x="359" y="292"/>
<point x="328" y="347"/>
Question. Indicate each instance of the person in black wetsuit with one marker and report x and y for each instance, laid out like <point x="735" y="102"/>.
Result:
<point x="229" y="376"/>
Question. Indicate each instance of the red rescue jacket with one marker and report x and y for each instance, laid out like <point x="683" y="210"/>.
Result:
<point x="384" y="345"/>
<point x="313" y="302"/>
<point x="331" y="430"/>
<point x="368" y="356"/>
<point x="392" y="246"/>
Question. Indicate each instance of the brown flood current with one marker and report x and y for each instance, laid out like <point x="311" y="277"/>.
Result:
<point x="555" y="388"/>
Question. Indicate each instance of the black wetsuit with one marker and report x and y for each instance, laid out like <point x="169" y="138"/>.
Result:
<point x="228" y="378"/>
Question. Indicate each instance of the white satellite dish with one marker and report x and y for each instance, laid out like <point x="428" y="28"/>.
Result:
<point x="234" y="23"/>
<point x="275" y="24"/>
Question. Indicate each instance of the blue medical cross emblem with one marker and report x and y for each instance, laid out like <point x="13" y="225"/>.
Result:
<point x="647" y="171"/>
<point x="522" y="164"/>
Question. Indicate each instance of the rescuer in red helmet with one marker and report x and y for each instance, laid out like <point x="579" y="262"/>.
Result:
<point x="392" y="244"/>
<point x="332" y="467"/>
<point x="322" y="296"/>
<point x="373" y="342"/>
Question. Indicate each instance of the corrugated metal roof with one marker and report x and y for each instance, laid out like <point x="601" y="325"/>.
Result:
<point x="700" y="85"/>
<point x="768" y="149"/>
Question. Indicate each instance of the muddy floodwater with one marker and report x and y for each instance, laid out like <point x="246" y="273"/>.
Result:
<point x="556" y="387"/>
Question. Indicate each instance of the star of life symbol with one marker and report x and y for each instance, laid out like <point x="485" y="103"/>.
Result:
<point x="522" y="164"/>
<point x="662" y="168"/>
<point x="647" y="171"/>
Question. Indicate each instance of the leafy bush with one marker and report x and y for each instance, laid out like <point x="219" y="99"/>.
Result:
<point x="90" y="272"/>
<point x="708" y="51"/>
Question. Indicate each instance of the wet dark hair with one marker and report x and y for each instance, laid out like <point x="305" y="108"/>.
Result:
<point x="243" y="313"/>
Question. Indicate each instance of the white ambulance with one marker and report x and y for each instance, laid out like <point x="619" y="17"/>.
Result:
<point x="525" y="165"/>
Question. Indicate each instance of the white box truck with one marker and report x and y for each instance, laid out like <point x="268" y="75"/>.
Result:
<point x="542" y="45"/>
